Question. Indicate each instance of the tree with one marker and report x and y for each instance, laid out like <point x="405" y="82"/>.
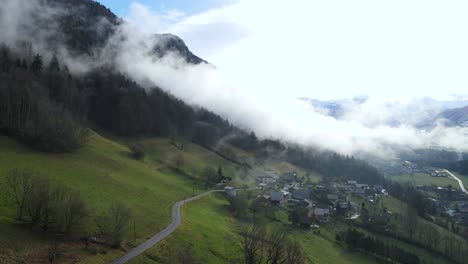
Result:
<point x="19" y="183"/>
<point x="252" y="237"/>
<point x="54" y="65"/>
<point x="185" y="255"/>
<point x="137" y="151"/>
<point x="178" y="161"/>
<point x="73" y="211"/>
<point x="53" y="250"/>
<point x="210" y="176"/>
<point x="38" y="199"/>
<point x="36" y="64"/>
<point x="411" y="220"/>
<point x="237" y="205"/>
<point x="112" y="224"/>
<point x="276" y="243"/>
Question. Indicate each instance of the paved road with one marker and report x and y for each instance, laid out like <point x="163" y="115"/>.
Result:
<point x="458" y="180"/>
<point x="176" y="220"/>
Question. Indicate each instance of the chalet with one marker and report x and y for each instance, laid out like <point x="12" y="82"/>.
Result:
<point x="332" y="198"/>
<point x="322" y="214"/>
<point x="305" y="203"/>
<point x="267" y="177"/>
<point x="230" y="190"/>
<point x="300" y="194"/>
<point x="463" y="208"/>
<point x="343" y="207"/>
<point x="276" y="197"/>
<point x="360" y="189"/>
<point x="351" y="183"/>
<point x="289" y="177"/>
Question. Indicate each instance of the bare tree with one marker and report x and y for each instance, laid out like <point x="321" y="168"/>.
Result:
<point x="74" y="211"/>
<point x="185" y="255"/>
<point x="53" y="249"/>
<point x="178" y="161"/>
<point x="112" y="225"/>
<point x="280" y="249"/>
<point x="293" y="253"/>
<point x="252" y="237"/>
<point x="19" y="183"/>
<point x="38" y="199"/>
<point x="276" y="247"/>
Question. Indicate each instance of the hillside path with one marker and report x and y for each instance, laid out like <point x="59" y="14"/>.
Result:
<point x="462" y="187"/>
<point x="176" y="220"/>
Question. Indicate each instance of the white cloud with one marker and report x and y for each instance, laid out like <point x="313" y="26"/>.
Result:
<point x="150" y="21"/>
<point x="330" y="49"/>
<point x="270" y="52"/>
<point x="276" y="52"/>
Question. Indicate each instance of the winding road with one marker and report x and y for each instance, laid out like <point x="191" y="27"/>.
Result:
<point x="457" y="179"/>
<point x="176" y="220"/>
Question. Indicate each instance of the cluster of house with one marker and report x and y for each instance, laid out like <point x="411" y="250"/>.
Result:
<point x="411" y="168"/>
<point x="459" y="212"/>
<point x="363" y="190"/>
<point x="288" y="191"/>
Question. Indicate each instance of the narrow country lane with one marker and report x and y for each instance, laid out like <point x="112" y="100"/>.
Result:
<point x="462" y="187"/>
<point x="176" y="220"/>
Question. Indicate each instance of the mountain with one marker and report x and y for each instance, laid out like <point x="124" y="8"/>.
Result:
<point x="172" y="43"/>
<point x="457" y="116"/>
<point x="422" y="113"/>
<point x="333" y="108"/>
<point x="85" y="27"/>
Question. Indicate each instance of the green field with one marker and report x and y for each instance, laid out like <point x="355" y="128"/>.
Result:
<point x="104" y="173"/>
<point x="208" y="226"/>
<point x="396" y="207"/>
<point x="426" y="179"/>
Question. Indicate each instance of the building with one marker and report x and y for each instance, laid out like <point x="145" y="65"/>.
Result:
<point x="267" y="178"/>
<point x="332" y="198"/>
<point x="300" y="194"/>
<point x="322" y="214"/>
<point x="230" y="190"/>
<point x="289" y="177"/>
<point x="276" y="197"/>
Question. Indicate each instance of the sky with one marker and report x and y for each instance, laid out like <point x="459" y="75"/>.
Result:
<point x="320" y="49"/>
<point x="264" y="54"/>
<point x="267" y="53"/>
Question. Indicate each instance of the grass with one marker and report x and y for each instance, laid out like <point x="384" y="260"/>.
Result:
<point x="398" y="227"/>
<point x="103" y="172"/>
<point x="426" y="179"/>
<point x="208" y="226"/>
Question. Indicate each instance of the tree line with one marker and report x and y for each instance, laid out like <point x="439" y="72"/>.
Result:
<point x="46" y="106"/>
<point x="359" y="241"/>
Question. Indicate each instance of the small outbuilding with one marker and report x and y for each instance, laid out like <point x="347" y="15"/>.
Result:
<point x="230" y="190"/>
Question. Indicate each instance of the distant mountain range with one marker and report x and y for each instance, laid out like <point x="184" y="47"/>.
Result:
<point x="422" y="113"/>
<point x="457" y="116"/>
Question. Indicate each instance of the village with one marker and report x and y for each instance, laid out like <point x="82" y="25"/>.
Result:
<point x="316" y="203"/>
<point x="320" y="202"/>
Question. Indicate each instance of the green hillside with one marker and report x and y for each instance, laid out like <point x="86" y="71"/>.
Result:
<point x="104" y="173"/>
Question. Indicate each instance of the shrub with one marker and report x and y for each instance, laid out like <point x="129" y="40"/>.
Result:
<point x="137" y="152"/>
